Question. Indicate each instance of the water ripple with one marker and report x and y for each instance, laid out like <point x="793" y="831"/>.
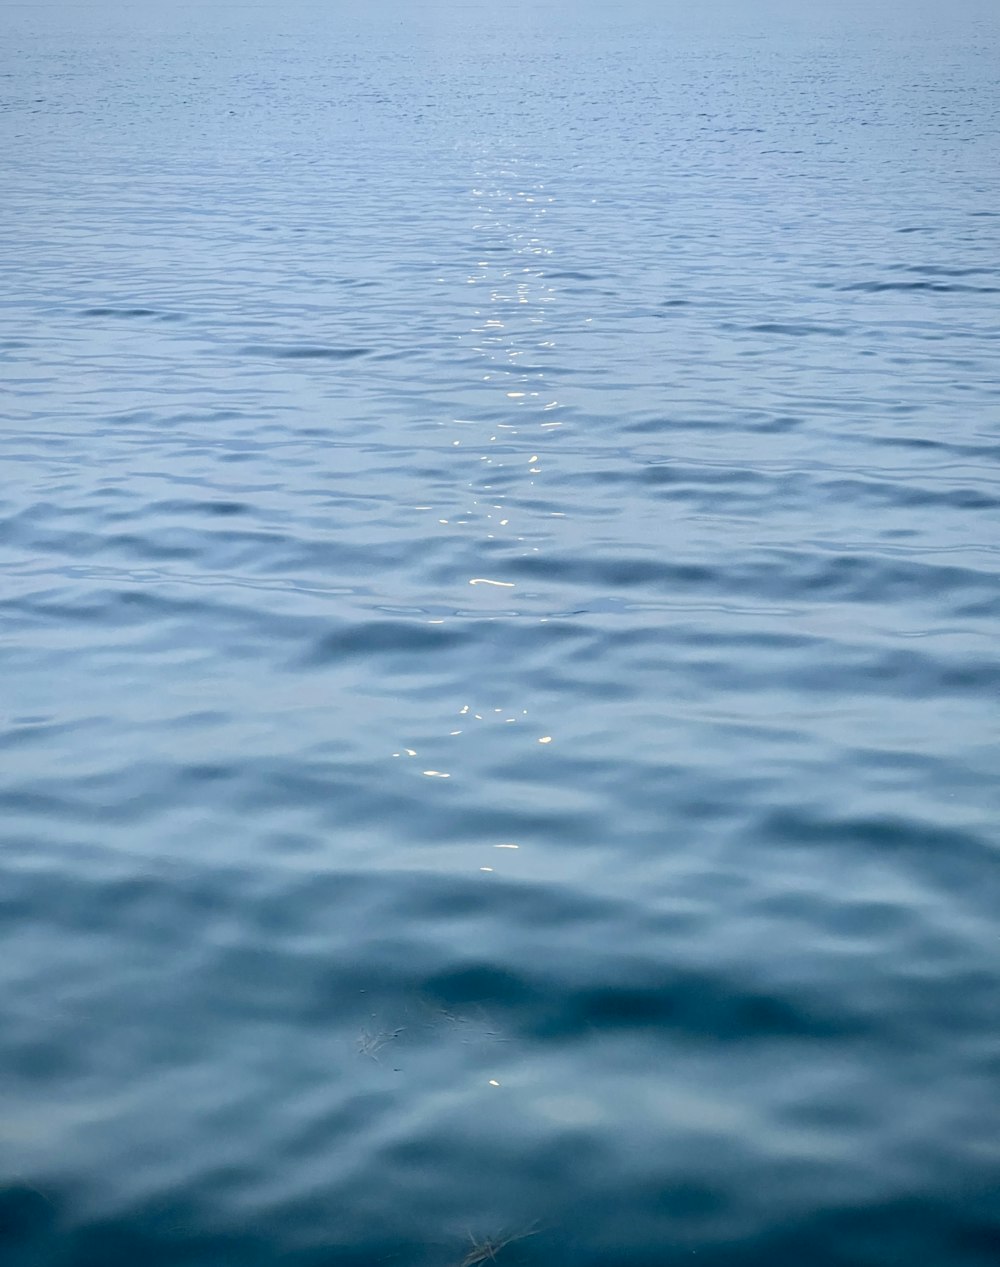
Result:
<point x="499" y="609"/>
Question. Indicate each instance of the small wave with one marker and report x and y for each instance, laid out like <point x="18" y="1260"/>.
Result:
<point x="128" y="312"/>
<point x="303" y="352"/>
<point x="940" y="288"/>
<point x="795" y="329"/>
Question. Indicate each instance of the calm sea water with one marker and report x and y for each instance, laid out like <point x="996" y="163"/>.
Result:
<point x="499" y="522"/>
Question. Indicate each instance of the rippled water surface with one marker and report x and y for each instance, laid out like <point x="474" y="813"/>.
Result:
<point x="499" y="524"/>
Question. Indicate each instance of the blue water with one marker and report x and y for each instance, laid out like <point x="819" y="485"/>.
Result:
<point x="499" y="532"/>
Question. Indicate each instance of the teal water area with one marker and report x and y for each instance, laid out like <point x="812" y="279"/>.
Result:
<point x="498" y="596"/>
